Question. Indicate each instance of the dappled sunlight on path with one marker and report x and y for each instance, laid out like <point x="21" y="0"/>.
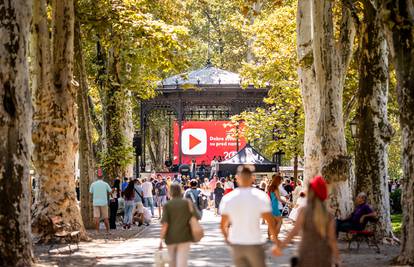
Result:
<point x="211" y="251"/>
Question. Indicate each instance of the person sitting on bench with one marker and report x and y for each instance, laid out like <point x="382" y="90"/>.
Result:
<point x="357" y="219"/>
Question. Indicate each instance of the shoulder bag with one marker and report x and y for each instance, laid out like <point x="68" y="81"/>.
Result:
<point x="196" y="230"/>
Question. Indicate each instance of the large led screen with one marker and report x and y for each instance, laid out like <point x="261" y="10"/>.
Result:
<point x="202" y="140"/>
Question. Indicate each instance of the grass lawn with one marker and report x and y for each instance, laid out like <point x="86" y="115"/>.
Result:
<point x="396" y="223"/>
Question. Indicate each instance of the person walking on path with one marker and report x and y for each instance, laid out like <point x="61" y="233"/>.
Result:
<point x="124" y="184"/>
<point x="275" y="199"/>
<point x="139" y="202"/>
<point x="242" y="210"/>
<point x="175" y="228"/>
<point x="148" y="197"/>
<point x="129" y="197"/>
<point x="100" y="191"/>
<point x="318" y="245"/>
<point x="161" y="192"/>
<point x="113" y="203"/>
<point x="192" y="194"/>
<point x="218" y="196"/>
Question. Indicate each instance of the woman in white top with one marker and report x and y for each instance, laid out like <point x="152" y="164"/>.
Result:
<point x="228" y="185"/>
<point x="205" y="189"/>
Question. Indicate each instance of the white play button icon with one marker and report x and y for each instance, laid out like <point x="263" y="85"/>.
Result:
<point x="194" y="141"/>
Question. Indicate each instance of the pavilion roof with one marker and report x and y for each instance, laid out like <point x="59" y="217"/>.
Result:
<point x="209" y="75"/>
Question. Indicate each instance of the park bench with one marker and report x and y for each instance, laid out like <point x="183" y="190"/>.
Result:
<point x="368" y="234"/>
<point x="64" y="233"/>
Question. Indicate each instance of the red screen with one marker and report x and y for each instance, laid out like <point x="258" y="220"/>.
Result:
<point x="202" y="140"/>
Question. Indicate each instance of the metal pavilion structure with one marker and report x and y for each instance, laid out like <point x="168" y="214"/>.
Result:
<point x="208" y="93"/>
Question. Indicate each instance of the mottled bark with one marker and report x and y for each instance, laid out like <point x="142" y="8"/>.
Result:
<point x="54" y="130"/>
<point x="15" y="141"/>
<point x="86" y="154"/>
<point x="398" y="17"/>
<point x="374" y="130"/>
<point x="310" y="94"/>
<point x="331" y="60"/>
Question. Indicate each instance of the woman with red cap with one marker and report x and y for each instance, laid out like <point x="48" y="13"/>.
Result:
<point x="318" y="245"/>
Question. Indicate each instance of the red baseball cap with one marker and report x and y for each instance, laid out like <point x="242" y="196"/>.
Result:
<point x="318" y="185"/>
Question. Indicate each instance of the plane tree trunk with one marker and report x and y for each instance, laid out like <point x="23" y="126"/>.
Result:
<point x="331" y="60"/>
<point x="86" y="153"/>
<point x="15" y="141"/>
<point x="310" y="94"/>
<point x="55" y="130"/>
<point x="398" y="17"/>
<point x="374" y="130"/>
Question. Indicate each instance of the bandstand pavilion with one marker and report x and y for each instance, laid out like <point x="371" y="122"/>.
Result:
<point x="208" y="93"/>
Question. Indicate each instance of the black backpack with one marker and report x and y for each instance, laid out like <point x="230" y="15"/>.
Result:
<point x="201" y="202"/>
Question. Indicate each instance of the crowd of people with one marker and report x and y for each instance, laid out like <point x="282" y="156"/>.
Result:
<point x="243" y="204"/>
<point x="136" y="200"/>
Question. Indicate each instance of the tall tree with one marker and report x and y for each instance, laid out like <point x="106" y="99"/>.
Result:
<point x="15" y="141"/>
<point x="310" y="93"/>
<point x="280" y="125"/>
<point x="54" y="133"/>
<point x="86" y="153"/>
<point x="331" y="60"/>
<point x="374" y="130"/>
<point x="135" y="51"/>
<point x="398" y="17"/>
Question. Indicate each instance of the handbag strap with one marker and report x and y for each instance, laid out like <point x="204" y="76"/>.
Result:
<point x="140" y="195"/>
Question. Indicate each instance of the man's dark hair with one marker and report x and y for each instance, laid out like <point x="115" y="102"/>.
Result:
<point x="193" y="183"/>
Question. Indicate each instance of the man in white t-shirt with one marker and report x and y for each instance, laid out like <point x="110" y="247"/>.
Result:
<point x="242" y="210"/>
<point x="148" y="197"/>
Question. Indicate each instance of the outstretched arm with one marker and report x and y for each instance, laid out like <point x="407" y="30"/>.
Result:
<point x="369" y="215"/>
<point x="277" y="194"/>
<point x="295" y="231"/>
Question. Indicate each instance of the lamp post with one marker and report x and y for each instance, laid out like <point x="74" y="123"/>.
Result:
<point x="277" y="157"/>
<point x="138" y="150"/>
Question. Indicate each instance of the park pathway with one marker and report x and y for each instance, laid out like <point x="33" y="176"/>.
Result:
<point x="211" y="251"/>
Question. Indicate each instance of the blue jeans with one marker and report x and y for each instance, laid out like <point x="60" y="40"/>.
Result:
<point x="128" y="213"/>
<point x="149" y="202"/>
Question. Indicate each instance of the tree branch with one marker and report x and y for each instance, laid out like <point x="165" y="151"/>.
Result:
<point x="347" y="37"/>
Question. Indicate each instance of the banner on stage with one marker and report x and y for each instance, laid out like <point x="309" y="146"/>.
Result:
<point x="202" y="140"/>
